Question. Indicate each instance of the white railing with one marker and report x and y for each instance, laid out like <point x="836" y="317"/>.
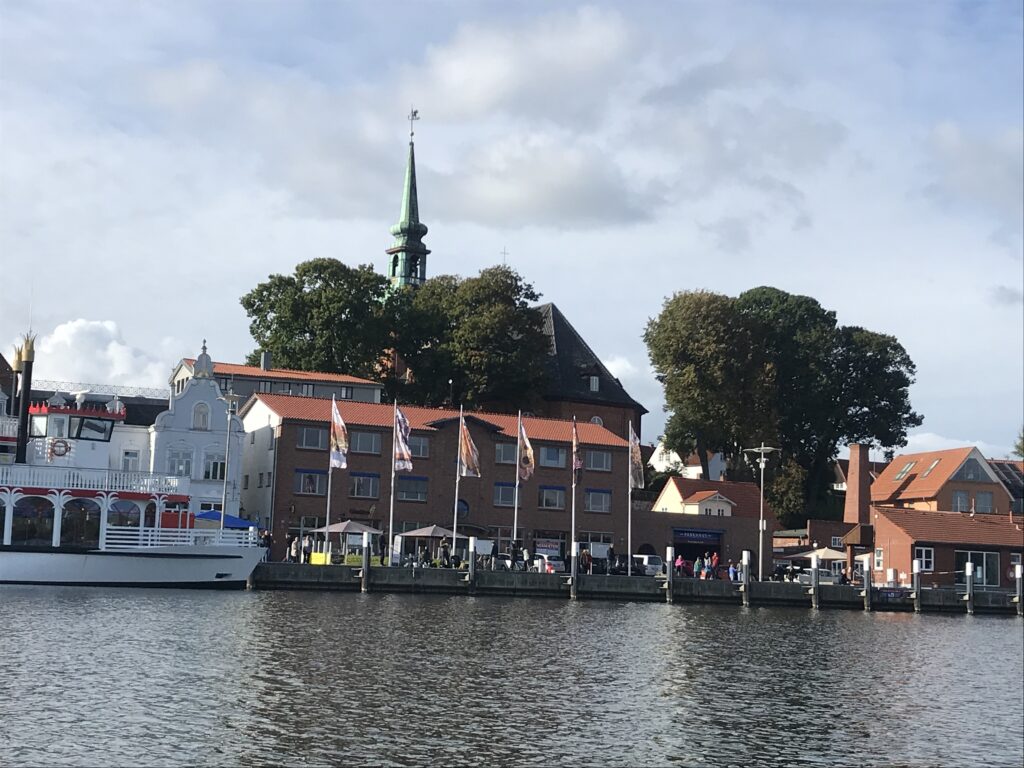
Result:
<point x="130" y="537"/>
<point x="8" y="426"/>
<point x="74" y="479"/>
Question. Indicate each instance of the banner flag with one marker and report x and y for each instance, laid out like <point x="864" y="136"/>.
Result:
<point x="577" y="460"/>
<point x="339" y="438"/>
<point x="636" y="462"/>
<point x="403" y="454"/>
<point x="469" y="457"/>
<point x="526" y="463"/>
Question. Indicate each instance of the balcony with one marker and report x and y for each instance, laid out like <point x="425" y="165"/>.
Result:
<point x="73" y="479"/>
<point x="8" y="426"/>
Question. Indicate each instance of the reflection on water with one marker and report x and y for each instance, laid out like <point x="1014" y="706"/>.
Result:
<point x="107" y="677"/>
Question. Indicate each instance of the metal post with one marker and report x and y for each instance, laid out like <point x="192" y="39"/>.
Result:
<point x="230" y="399"/>
<point x="760" y="524"/>
<point x="867" y="587"/>
<point x="814" y="590"/>
<point x="745" y="577"/>
<point x="917" y="585"/>
<point x="472" y="560"/>
<point x="366" y="562"/>
<point x="969" y="597"/>
<point x="1020" y="588"/>
<point x="670" y="571"/>
<point x="574" y="570"/>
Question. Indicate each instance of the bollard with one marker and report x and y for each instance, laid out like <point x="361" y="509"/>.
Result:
<point x="670" y="571"/>
<point x="969" y="597"/>
<point x="1020" y="588"/>
<point x="866" y="594"/>
<point x="917" y="585"/>
<point x="472" y="561"/>
<point x="366" y="563"/>
<point x="814" y="591"/>
<point x="745" y="577"/>
<point x="574" y="569"/>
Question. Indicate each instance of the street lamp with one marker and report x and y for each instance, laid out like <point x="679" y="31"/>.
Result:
<point x="762" y="459"/>
<point x="231" y="399"/>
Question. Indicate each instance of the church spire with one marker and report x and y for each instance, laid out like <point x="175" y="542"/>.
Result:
<point x="408" y="254"/>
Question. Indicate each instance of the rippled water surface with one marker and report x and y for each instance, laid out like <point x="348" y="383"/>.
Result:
<point x="108" y="677"/>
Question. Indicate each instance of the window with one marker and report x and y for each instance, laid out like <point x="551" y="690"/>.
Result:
<point x="313" y="437"/>
<point x="58" y="427"/>
<point x="986" y="567"/>
<point x="310" y="482"/>
<point x="130" y="460"/>
<point x="209" y="506"/>
<point x="551" y="497"/>
<point x="179" y="462"/>
<point x="930" y="468"/>
<point x="504" y="453"/>
<point x="504" y="494"/>
<point x="971" y="471"/>
<point x="259" y="480"/>
<point x="245" y="482"/>
<point x="223" y="383"/>
<point x="365" y="485"/>
<point x="252" y="438"/>
<point x="595" y="383"/>
<point x="595" y="500"/>
<point x="91" y="429"/>
<point x="961" y="501"/>
<point x="599" y="461"/>
<point x="906" y="468"/>
<point x="419" y="446"/>
<point x="983" y="501"/>
<point x="213" y="466"/>
<point x="879" y="559"/>
<point x="365" y="442"/>
<point x="263" y="386"/>
<point x="284" y="388"/>
<point x="597" y="420"/>
<point x="410" y="488"/>
<point x="927" y="557"/>
<point x="306" y="390"/>
<point x="837" y="541"/>
<point x="551" y="456"/>
<point x="201" y="416"/>
<point x="345" y="393"/>
<point x="268" y="478"/>
<point x="37" y="427"/>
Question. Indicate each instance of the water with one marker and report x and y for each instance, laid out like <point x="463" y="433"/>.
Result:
<point x="108" y="677"/>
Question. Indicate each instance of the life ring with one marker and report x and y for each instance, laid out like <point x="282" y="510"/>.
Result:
<point x="60" y="447"/>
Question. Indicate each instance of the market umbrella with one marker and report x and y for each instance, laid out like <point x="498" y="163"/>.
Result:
<point x="431" y="532"/>
<point x="348" y="526"/>
<point x="823" y="553"/>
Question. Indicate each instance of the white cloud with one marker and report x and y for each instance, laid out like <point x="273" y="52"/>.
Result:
<point x="922" y="442"/>
<point x="621" y="367"/>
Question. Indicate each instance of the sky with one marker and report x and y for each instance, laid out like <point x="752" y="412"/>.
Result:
<point x="158" y="160"/>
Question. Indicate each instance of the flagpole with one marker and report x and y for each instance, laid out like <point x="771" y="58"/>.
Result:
<point x="575" y="452"/>
<point x="391" y="513"/>
<point x="327" y="534"/>
<point x="515" y="497"/>
<point x="458" y="474"/>
<point x="629" y="503"/>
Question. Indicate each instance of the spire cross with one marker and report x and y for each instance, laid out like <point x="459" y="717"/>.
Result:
<point x="414" y="115"/>
<point x="504" y="254"/>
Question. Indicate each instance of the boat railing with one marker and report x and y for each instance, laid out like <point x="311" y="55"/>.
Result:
<point x="134" y="537"/>
<point x="77" y="479"/>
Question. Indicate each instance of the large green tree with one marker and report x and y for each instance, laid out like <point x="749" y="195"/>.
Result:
<point x="777" y="367"/>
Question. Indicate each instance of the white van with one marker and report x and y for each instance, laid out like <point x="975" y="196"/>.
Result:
<point x="648" y="565"/>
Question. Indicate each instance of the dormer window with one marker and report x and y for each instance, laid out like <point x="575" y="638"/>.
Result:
<point x="595" y="383"/>
<point x="201" y="417"/>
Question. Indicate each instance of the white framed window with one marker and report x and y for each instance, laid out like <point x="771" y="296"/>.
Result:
<point x="365" y="442"/>
<point x="504" y="494"/>
<point x="931" y="466"/>
<point x="223" y="383"/>
<point x="213" y="466"/>
<point x="595" y="383"/>
<point x="419" y="446"/>
<point x="130" y="460"/>
<point x="961" y="501"/>
<point x="504" y="453"/>
<point x="179" y="462"/>
<point x="551" y="497"/>
<point x="284" y="388"/>
<point x="201" y="417"/>
<point x="599" y="461"/>
<point x="597" y="420"/>
<point x="597" y="500"/>
<point x="927" y="557"/>
<point x="306" y="390"/>
<point x="837" y="541"/>
<point x="263" y="386"/>
<point x="879" y="558"/>
<point x="906" y="468"/>
<point x="310" y="483"/>
<point x="983" y="501"/>
<point x="345" y="393"/>
<point x="313" y="437"/>
<point x="552" y="456"/>
<point x="411" y="488"/>
<point x="57" y="427"/>
<point x="986" y="567"/>
<point x="365" y="485"/>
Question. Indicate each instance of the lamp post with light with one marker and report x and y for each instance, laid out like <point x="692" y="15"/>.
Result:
<point x="762" y="459"/>
<point x="231" y="399"/>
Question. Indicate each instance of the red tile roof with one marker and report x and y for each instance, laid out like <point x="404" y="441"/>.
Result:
<point x="702" y="495"/>
<point x="255" y="372"/>
<point x="746" y="497"/>
<point x="914" y="485"/>
<point x="381" y="414"/>
<point x="957" y="527"/>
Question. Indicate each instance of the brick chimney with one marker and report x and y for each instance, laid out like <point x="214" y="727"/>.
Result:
<point x="858" y="487"/>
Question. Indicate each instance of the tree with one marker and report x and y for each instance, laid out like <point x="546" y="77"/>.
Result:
<point x="1018" y="448"/>
<point x="786" y="494"/>
<point x="326" y="317"/>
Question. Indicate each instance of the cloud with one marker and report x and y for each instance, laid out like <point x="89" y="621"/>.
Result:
<point x="1007" y="295"/>
<point x="621" y="367"/>
<point x="743" y="68"/>
<point x="921" y="442"/>
<point x="94" y="351"/>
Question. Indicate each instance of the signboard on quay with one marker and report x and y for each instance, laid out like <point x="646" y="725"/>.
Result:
<point x="697" y="535"/>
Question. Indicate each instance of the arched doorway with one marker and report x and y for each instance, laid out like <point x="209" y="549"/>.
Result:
<point x="646" y="549"/>
<point x="124" y="513"/>
<point x="33" y="522"/>
<point x="80" y="523"/>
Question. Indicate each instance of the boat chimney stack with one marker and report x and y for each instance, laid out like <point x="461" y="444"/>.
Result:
<point x="26" y="357"/>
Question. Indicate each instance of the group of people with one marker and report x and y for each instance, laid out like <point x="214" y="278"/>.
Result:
<point x="707" y="566"/>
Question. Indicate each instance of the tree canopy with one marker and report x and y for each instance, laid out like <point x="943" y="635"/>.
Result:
<point x="1018" y="447"/>
<point x="775" y="367"/>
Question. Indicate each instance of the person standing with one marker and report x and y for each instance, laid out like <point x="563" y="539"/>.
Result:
<point x="611" y="558"/>
<point x="445" y="554"/>
<point x="307" y="548"/>
<point x="384" y="549"/>
<point x="698" y="568"/>
<point x="293" y="550"/>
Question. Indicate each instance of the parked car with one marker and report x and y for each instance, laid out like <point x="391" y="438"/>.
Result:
<point x="503" y="562"/>
<point x="548" y="564"/>
<point x="825" y="576"/>
<point x="648" y="565"/>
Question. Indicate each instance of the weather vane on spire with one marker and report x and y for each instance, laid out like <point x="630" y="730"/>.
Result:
<point x="414" y="115"/>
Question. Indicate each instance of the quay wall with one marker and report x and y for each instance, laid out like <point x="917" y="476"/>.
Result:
<point x="619" y="588"/>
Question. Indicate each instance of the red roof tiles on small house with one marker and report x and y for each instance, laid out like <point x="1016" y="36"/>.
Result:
<point x="957" y="527"/>
<point x="256" y="372"/>
<point x="382" y="414"/>
<point x="700" y="496"/>
<point x="745" y="497"/>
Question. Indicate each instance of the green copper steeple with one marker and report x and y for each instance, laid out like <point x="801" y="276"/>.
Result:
<point x="408" y="255"/>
